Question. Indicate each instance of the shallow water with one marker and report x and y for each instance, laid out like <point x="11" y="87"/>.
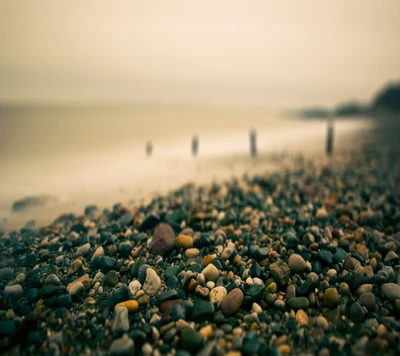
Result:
<point x="84" y="155"/>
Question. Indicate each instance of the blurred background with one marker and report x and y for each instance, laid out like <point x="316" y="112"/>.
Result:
<point x="85" y="86"/>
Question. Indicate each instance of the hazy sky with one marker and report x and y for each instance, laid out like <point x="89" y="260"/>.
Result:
<point x="273" y="53"/>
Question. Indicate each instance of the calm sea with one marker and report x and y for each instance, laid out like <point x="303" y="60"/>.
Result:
<point x="84" y="155"/>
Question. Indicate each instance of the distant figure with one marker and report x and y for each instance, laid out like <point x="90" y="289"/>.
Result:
<point x="329" y="138"/>
<point x="195" y="145"/>
<point x="253" y="143"/>
<point x="149" y="148"/>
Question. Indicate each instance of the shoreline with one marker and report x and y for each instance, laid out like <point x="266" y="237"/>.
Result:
<point x="296" y="261"/>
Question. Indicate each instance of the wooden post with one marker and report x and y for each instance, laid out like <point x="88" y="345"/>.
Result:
<point x="330" y="137"/>
<point x="253" y="143"/>
<point x="149" y="148"/>
<point x="195" y="145"/>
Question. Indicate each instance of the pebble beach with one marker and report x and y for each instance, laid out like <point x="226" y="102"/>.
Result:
<point x="297" y="261"/>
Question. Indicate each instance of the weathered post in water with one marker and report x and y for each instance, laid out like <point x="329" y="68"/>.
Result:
<point x="195" y="145"/>
<point x="149" y="148"/>
<point x="329" y="137"/>
<point x="253" y="143"/>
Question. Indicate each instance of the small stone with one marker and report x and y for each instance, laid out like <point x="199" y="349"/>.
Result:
<point x="134" y="286"/>
<point x="75" y="267"/>
<point x="202" y="310"/>
<point x="284" y="350"/>
<point x="163" y="241"/>
<point x="184" y="241"/>
<point x="232" y="302"/>
<point x="302" y="317"/>
<point x="77" y="289"/>
<point x="13" y="292"/>
<point x="98" y="253"/>
<point x="64" y="301"/>
<point x="111" y="279"/>
<point x="297" y="263"/>
<point x="83" y="279"/>
<point x="356" y="313"/>
<point x="368" y="300"/>
<point x="191" y="341"/>
<point x="321" y="322"/>
<point x="123" y="346"/>
<point x="125" y="249"/>
<point x="207" y="260"/>
<point x="391" y="291"/>
<point x="207" y="331"/>
<point x="131" y="305"/>
<point x="83" y="250"/>
<point x="344" y="288"/>
<point x="271" y="288"/>
<point x="365" y="288"/>
<point x="192" y="252"/>
<point x="52" y="279"/>
<point x="280" y="272"/>
<point x="226" y="253"/>
<point x="6" y="274"/>
<point x="321" y="214"/>
<point x="217" y="294"/>
<point x="121" y="321"/>
<point x="178" y="311"/>
<point x="210" y="273"/>
<point x="381" y="330"/>
<point x="298" y="303"/>
<point x="152" y="283"/>
<point x="331" y="298"/>
<point x="10" y="315"/>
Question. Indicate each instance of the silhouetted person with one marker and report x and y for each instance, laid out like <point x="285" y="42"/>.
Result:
<point x="329" y="138"/>
<point x="253" y="143"/>
<point x="195" y="145"/>
<point x="149" y="148"/>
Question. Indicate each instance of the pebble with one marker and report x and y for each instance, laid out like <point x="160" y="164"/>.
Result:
<point x="217" y="294"/>
<point x="163" y="241"/>
<point x="232" y="302"/>
<point x="202" y="310"/>
<point x="123" y="346"/>
<point x="152" y="283"/>
<point x="191" y="340"/>
<point x="98" y="253"/>
<point x="83" y="250"/>
<point x="297" y="263"/>
<point x="321" y="214"/>
<point x="134" y="286"/>
<point x="121" y="321"/>
<point x="184" y="241"/>
<point x="356" y="312"/>
<point x="210" y="273"/>
<point x="13" y="292"/>
<point x="110" y="279"/>
<point x="280" y="272"/>
<point x="331" y="298"/>
<point x="368" y="300"/>
<point x="77" y="289"/>
<point x="302" y="317"/>
<point x="75" y="267"/>
<point x="131" y="305"/>
<point x="391" y="291"/>
<point x="192" y="252"/>
<point x="322" y="323"/>
<point x="52" y="279"/>
<point x="298" y="303"/>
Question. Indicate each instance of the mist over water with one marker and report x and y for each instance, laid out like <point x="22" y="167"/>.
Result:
<point x="83" y="155"/>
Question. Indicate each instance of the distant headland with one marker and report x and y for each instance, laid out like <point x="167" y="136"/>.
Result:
<point x="386" y="100"/>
